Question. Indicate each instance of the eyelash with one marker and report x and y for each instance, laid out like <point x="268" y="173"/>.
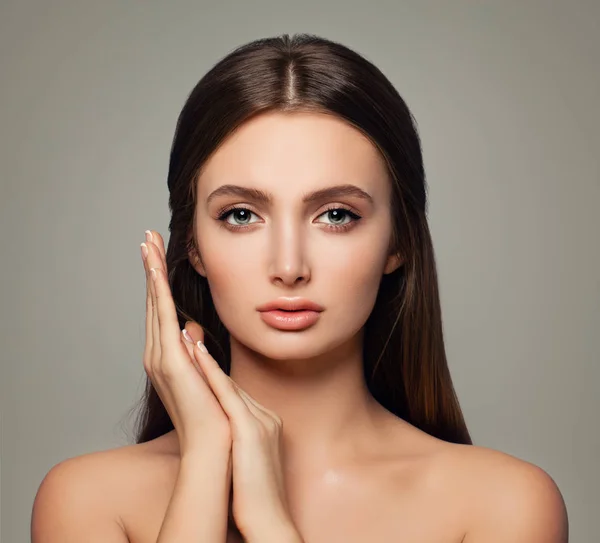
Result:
<point x="224" y="213"/>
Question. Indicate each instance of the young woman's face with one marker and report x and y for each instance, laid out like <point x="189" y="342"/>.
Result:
<point x="330" y="249"/>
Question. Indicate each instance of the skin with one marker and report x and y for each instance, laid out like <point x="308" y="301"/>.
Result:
<point x="289" y="249"/>
<point x="353" y="471"/>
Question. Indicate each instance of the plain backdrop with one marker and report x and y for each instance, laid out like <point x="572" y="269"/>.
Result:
<point x="507" y="98"/>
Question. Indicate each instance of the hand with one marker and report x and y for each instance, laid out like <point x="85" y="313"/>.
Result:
<point x="259" y="502"/>
<point x="196" y="414"/>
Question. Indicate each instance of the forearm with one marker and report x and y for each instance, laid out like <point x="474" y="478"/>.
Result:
<point x="275" y="530"/>
<point x="283" y="534"/>
<point x="198" y="508"/>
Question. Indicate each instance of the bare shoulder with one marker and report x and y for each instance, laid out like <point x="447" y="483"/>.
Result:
<point x="507" y="498"/>
<point x="88" y="496"/>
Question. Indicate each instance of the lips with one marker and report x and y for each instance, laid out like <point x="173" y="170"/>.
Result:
<point x="290" y="320"/>
<point x="291" y="305"/>
<point x="290" y="314"/>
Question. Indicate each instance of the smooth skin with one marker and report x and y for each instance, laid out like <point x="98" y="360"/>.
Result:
<point x="352" y="471"/>
<point x="210" y="409"/>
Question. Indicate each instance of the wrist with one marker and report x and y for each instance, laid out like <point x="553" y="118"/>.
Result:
<point x="214" y="443"/>
<point x="212" y="454"/>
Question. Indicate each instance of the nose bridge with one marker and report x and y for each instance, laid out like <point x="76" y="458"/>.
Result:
<point x="288" y="249"/>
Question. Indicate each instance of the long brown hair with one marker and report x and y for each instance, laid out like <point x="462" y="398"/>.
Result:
<point x="405" y="364"/>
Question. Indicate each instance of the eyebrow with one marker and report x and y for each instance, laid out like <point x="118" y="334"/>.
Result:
<point x="263" y="197"/>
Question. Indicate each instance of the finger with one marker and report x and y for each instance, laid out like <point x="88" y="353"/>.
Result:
<point x="252" y="401"/>
<point x="222" y="386"/>
<point x="156" y="345"/>
<point x="156" y="239"/>
<point x="166" y="332"/>
<point x="156" y="258"/>
<point x="148" y="344"/>
<point x="156" y="250"/>
<point x="189" y="345"/>
<point x="195" y="331"/>
<point x="253" y="406"/>
<point x="194" y="334"/>
<point x="165" y="309"/>
<point x="266" y="416"/>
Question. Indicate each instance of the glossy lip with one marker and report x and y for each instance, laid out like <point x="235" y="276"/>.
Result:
<point x="290" y="304"/>
<point x="290" y="320"/>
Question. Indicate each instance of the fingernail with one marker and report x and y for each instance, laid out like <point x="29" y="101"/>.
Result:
<point x="202" y="347"/>
<point x="144" y="250"/>
<point x="148" y="235"/>
<point x="187" y="337"/>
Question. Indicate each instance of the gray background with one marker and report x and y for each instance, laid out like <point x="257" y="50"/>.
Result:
<point x="506" y="95"/>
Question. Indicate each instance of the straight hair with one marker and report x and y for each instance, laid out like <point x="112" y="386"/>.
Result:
<point x="404" y="358"/>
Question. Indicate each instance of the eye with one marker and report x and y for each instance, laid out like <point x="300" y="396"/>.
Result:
<point x="337" y="215"/>
<point x="240" y="214"/>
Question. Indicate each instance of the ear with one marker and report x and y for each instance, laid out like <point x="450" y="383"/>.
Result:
<point x="196" y="262"/>
<point x="393" y="262"/>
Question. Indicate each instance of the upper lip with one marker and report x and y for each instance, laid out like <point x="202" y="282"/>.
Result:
<point x="290" y="304"/>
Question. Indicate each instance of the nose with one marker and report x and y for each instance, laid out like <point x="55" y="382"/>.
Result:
<point x="289" y="265"/>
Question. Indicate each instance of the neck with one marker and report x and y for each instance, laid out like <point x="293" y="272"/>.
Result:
<point x="328" y="413"/>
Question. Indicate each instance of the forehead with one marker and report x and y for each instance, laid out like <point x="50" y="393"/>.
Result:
<point x="307" y="149"/>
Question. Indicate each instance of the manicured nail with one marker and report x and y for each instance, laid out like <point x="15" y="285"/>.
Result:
<point x="187" y="337"/>
<point x="153" y="272"/>
<point x="202" y="347"/>
<point x="148" y="235"/>
<point x="144" y="250"/>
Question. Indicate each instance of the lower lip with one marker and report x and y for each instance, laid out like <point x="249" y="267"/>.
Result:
<point x="290" y="320"/>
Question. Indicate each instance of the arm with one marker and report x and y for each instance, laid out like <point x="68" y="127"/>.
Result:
<point x="199" y="504"/>
<point x="76" y="502"/>
<point x="197" y="511"/>
<point x="71" y="506"/>
<point x="523" y="505"/>
<point x="282" y="532"/>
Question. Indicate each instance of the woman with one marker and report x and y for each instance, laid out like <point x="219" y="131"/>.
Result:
<point x="298" y="386"/>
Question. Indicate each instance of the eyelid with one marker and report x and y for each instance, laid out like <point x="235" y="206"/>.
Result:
<point x="347" y="207"/>
<point x="230" y="207"/>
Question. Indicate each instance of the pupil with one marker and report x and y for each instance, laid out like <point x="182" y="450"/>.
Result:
<point x="241" y="212"/>
<point x="336" y="214"/>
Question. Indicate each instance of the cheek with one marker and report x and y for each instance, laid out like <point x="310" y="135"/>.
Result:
<point x="350" y="281"/>
<point x="230" y="270"/>
<point x="356" y="284"/>
<point x="357" y="264"/>
<point x="361" y="266"/>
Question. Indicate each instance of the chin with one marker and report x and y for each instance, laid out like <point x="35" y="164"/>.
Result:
<point x="278" y="345"/>
<point x="285" y="347"/>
